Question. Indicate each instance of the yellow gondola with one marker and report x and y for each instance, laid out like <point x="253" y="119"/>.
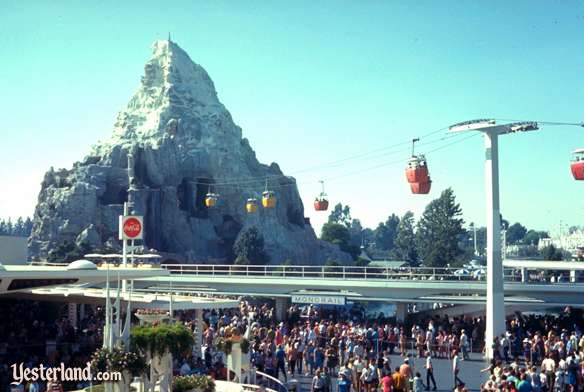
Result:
<point x="211" y="200"/>
<point x="269" y="199"/>
<point x="251" y="206"/>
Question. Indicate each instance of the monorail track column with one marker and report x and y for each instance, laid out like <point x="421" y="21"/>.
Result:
<point x="281" y="308"/>
<point x="199" y="333"/>
<point x="495" y="322"/>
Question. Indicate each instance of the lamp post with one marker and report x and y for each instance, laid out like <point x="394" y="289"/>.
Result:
<point x="474" y="237"/>
<point x="495" y="312"/>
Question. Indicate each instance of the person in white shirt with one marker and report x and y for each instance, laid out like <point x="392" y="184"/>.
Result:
<point x="559" y="381"/>
<point x="545" y="382"/>
<point x="363" y="379"/>
<point x="358" y="366"/>
<point x="430" y="340"/>
<point x="548" y="367"/>
<point x="464" y="344"/>
<point x="505" y="346"/>
<point x="456" y="369"/>
<point x="311" y="335"/>
<point x="429" y="372"/>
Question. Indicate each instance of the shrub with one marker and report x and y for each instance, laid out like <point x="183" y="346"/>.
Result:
<point x="175" y="338"/>
<point x="188" y="383"/>
<point x="116" y="360"/>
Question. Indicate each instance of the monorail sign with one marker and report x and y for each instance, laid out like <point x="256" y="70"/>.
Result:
<point x="318" y="299"/>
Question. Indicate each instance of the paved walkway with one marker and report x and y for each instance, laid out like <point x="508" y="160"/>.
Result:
<point x="470" y="372"/>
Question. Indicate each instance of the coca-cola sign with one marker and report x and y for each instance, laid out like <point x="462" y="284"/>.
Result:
<point x="131" y="228"/>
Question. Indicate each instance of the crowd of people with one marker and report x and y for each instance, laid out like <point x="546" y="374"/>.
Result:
<point x="338" y="350"/>
<point x="539" y="354"/>
<point x="542" y="351"/>
<point x="34" y="333"/>
<point x="357" y="353"/>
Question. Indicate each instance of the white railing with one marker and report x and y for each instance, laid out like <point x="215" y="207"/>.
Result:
<point x="269" y="382"/>
<point x="331" y="272"/>
<point x="426" y="274"/>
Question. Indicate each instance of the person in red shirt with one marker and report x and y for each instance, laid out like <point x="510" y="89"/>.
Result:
<point x="387" y="383"/>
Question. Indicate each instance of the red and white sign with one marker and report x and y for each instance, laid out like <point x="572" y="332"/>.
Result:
<point x="131" y="227"/>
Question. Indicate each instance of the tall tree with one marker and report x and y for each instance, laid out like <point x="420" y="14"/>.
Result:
<point x="68" y="251"/>
<point x="338" y="234"/>
<point x="550" y="252"/>
<point x="355" y="232"/>
<point x="532" y="237"/>
<point x="341" y="215"/>
<point x="28" y="226"/>
<point x="385" y="233"/>
<point x="250" y="246"/>
<point x="439" y="229"/>
<point x="9" y="227"/>
<point x="504" y="222"/>
<point x="405" y="240"/>
<point x="20" y="228"/>
<point x="515" y="233"/>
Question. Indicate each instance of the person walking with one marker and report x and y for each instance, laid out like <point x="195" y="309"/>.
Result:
<point x="417" y="383"/>
<point x="387" y="382"/>
<point x="464" y="344"/>
<point x="456" y="369"/>
<point x="399" y="381"/>
<point x="318" y="382"/>
<point x="281" y="362"/>
<point x="343" y="383"/>
<point x="429" y="372"/>
<point x="292" y="354"/>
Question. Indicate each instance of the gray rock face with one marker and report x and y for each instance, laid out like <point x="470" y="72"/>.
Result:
<point x="172" y="143"/>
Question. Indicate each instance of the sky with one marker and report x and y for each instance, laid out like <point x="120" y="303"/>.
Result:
<point x="312" y="84"/>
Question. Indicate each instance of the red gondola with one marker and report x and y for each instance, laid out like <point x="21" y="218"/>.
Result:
<point x="321" y="202"/>
<point x="577" y="165"/>
<point x="417" y="169"/>
<point x="321" y="205"/>
<point x="417" y="173"/>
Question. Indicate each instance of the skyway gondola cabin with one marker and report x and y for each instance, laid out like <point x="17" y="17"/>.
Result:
<point x="577" y="164"/>
<point x="417" y="173"/>
<point x="321" y="202"/>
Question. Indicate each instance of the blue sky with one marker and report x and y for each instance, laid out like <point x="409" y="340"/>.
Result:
<point x="314" y="82"/>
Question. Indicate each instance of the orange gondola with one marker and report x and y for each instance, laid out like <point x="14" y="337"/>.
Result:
<point x="417" y="169"/>
<point x="321" y="205"/>
<point x="321" y="202"/>
<point x="577" y="165"/>
<point x="417" y="173"/>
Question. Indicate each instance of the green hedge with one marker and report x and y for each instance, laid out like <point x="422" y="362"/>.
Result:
<point x="175" y="338"/>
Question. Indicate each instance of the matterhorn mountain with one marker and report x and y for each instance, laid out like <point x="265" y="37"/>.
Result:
<point x="171" y="145"/>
